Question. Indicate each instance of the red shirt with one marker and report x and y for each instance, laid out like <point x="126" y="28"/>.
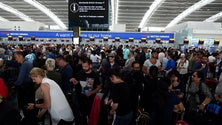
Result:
<point x="3" y="89"/>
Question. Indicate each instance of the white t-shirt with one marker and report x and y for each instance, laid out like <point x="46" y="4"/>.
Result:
<point x="60" y="108"/>
<point x="211" y="58"/>
<point x="95" y="58"/>
<point x="183" y="66"/>
<point x="148" y="64"/>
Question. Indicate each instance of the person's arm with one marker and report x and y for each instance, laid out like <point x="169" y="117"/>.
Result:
<point x="144" y="70"/>
<point x="41" y="113"/>
<point x="98" y="57"/>
<point x="1" y="99"/>
<point x="208" y="95"/>
<point x="202" y="67"/>
<point x="114" y="107"/>
<point x="179" y="107"/>
<point x="204" y="103"/>
<point x="185" y="66"/>
<point x="46" y="97"/>
<point x="74" y="81"/>
<point x="96" y="86"/>
<point x="94" y="91"/>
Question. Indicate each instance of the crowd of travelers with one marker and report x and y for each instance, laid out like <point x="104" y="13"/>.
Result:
<point x="106" y="84"/>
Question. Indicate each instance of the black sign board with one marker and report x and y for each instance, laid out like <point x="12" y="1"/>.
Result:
<point x="89" y="14"/>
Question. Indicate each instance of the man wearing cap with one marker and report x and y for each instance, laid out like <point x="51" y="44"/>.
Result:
<point x="111" y="63"/>
<point x="182" y="67"/>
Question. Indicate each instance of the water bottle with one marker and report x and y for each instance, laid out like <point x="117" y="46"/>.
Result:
<point x="86" y="89"/>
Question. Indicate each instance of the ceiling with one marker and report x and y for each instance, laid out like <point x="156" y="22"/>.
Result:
<point x="130" y="12"/>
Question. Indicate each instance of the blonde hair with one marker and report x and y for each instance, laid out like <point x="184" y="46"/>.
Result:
<point x="50" y="63"/>
<point x="37" y="71"/>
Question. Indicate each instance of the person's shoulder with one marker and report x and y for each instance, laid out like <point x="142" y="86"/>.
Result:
<point x="27" y="64"/>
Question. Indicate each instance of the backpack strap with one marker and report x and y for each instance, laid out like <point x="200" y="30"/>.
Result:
<point x="200" y="93"/>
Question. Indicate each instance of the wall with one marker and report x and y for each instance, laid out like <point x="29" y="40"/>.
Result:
<point x="21" y="26"/>
<point x="118" y="28"/>
<point x="194" y="25"/>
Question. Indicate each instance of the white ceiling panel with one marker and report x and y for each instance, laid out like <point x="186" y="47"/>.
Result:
<point x="130" y="12"/>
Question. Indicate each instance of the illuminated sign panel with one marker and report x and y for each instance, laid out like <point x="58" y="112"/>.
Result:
<point x="89" y="14"/>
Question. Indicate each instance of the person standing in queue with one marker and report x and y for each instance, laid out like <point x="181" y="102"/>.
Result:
<point x="120" y="97"/>
<point x="87" y="84"/>
<point x="25" y="87"/>
<point x="53" y="99"/>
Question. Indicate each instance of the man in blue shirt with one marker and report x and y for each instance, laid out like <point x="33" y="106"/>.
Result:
<point x="25" y="86"/>
<point x="66" y="72"/>
<point x="170" y="64"/>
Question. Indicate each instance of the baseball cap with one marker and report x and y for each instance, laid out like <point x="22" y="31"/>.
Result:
<point x="111" y="55"/>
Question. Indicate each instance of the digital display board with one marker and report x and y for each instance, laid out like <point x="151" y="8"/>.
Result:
<point x="89" y="14"/>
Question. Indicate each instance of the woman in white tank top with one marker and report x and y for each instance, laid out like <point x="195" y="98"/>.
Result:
<point x="54" y="99"/>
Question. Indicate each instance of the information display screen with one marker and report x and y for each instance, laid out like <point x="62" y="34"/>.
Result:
<point x="89" y="14"/>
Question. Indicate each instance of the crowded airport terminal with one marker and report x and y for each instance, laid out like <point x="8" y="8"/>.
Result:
<point x="110" y="62"/>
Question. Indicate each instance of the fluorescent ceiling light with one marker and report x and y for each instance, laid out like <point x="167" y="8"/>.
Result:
<point x="3" y="19"/>
<point x="214" y="17"/>
<point x="158" y="29"/>
<point x="117" y="11"/>
<point x="15" y="12"/>
<point x="47" y="12"/>
<point x="149" y="12"/>
<point x="188" y="11"/>
<point x="113" y="12"/>
<point x="54" y="27"/>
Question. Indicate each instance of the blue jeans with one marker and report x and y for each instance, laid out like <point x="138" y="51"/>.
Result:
<point x="123" y="120"/>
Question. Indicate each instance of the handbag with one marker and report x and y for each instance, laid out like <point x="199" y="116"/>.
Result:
<point x="181" y="119"/>
<point x="213" y="108"/>
<point x="143" y="118"/>
<point x="181" y="122"/>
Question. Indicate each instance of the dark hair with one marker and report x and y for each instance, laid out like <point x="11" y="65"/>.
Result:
<point x="153" y="51"/>
<point x="93" y="52"/>
<point x="131" y="51"/>
<point x="116" y="72"/>
<point x="174" y="72"/>
<point x="21" y="53"/>
<point x="60" y="57"/>
<point x="200" y="75"/>
<point x="135" y="62"/>
<point x="86" y="60"/>
<point x="161" y="95"/>
<point x="153" y="71"/>
<point x="66" y="53"/>
<point x="170" y="54"/>
<point x="163" y="84"/>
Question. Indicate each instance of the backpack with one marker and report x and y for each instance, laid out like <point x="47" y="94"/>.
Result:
<point x="213" y="108"/>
